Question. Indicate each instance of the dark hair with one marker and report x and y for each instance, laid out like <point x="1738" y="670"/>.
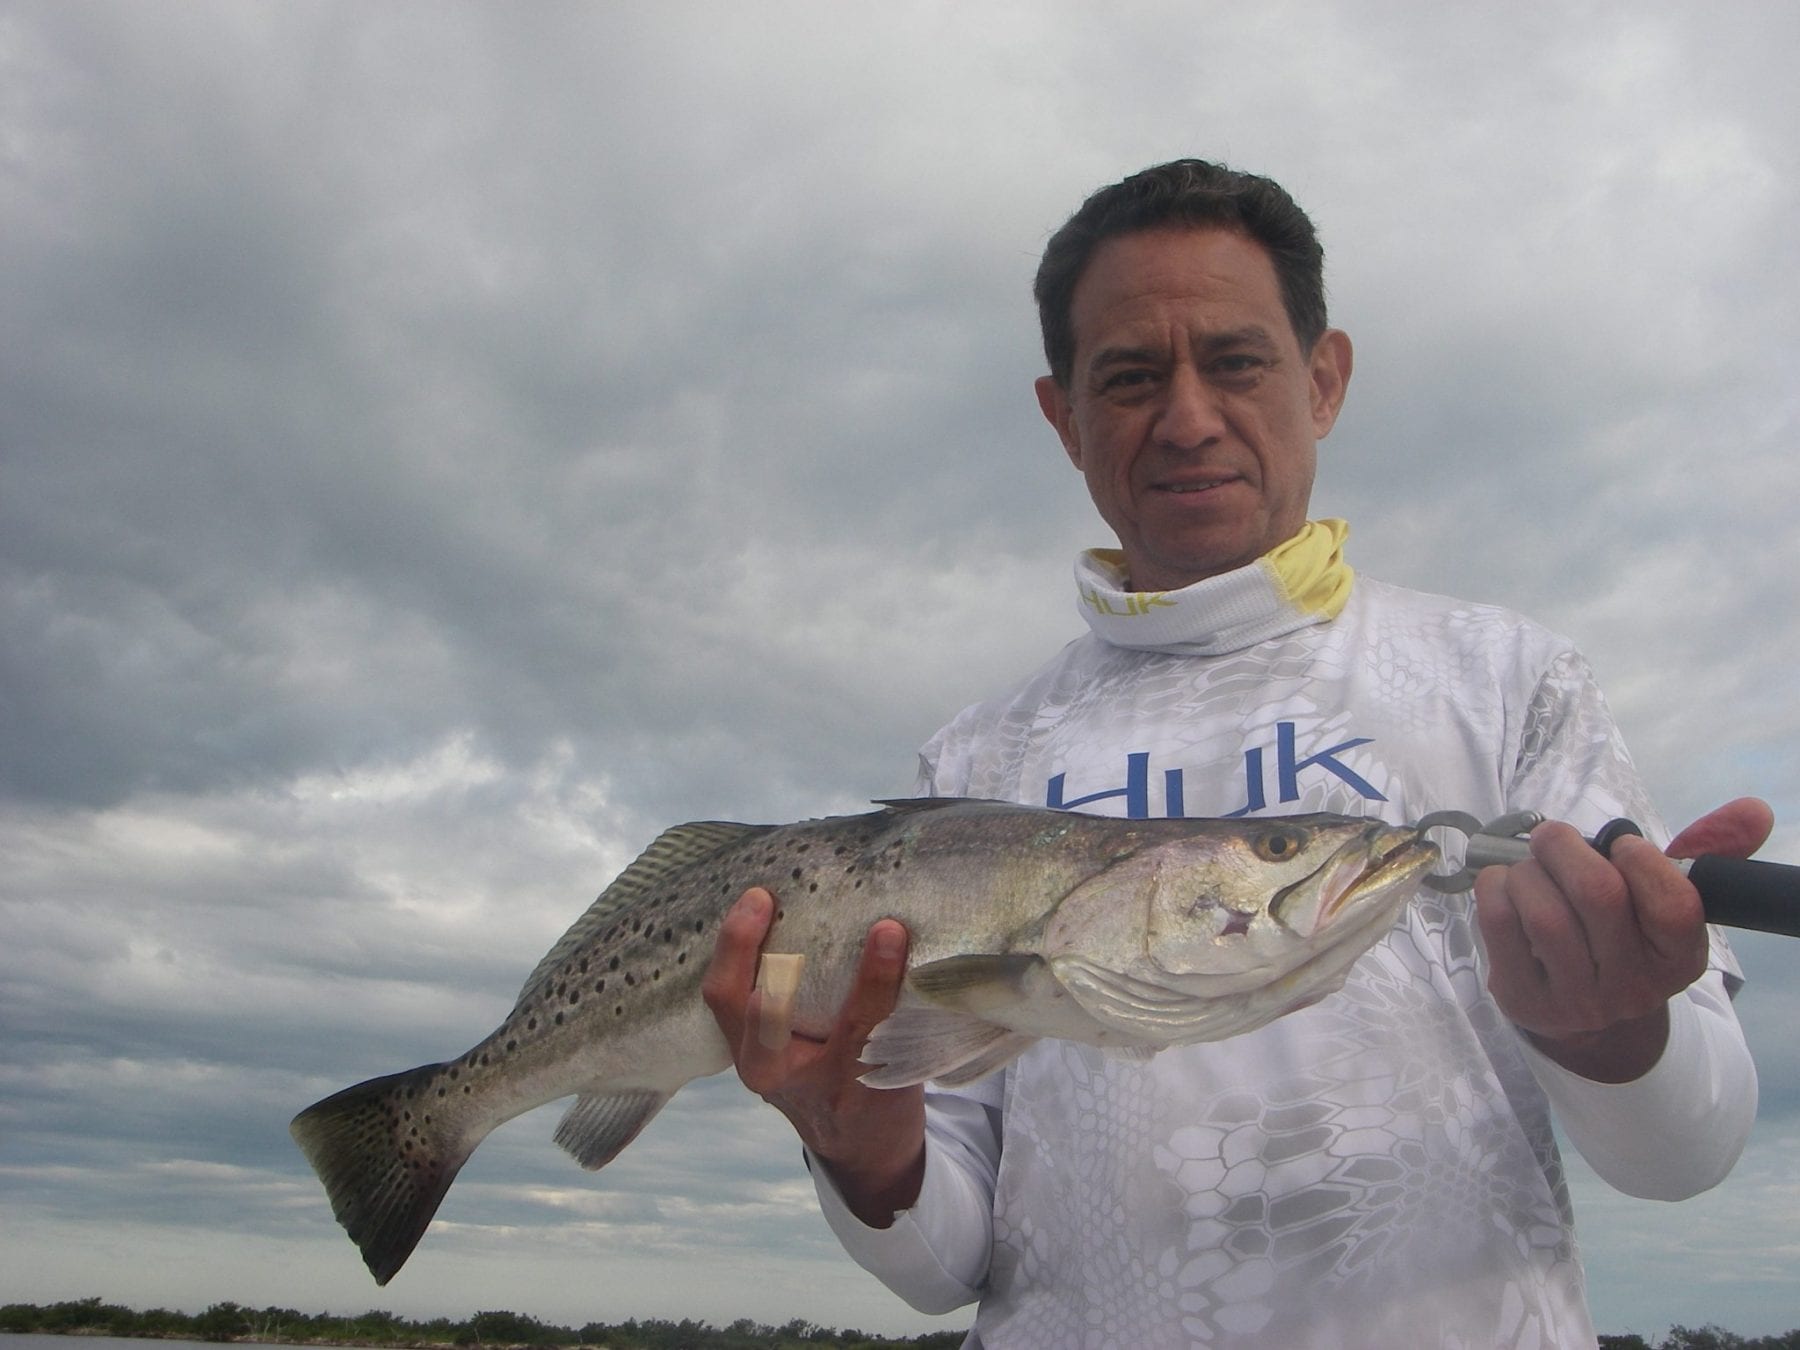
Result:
<point x="1184" y="193"/>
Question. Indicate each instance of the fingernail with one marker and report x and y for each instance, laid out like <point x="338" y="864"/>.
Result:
<point x="889" y="943"/>
<point x="754" y="903"/>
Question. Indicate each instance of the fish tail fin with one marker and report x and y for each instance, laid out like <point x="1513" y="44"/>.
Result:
<point x="387" y="1151"/>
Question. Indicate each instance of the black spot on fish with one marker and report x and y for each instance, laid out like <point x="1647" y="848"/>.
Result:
<point x="613" y="964"/>
<point x="559" y="1017"/>
<point x="511" y="1046"/>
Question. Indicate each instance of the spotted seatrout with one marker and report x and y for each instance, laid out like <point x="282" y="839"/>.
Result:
<point x="1025" y="923"/>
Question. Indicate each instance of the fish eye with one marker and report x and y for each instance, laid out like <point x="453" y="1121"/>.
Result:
<point x="1280" y="844"/>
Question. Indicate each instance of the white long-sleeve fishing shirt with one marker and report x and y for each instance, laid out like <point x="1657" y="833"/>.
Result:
<point x="1378" y="1169"/>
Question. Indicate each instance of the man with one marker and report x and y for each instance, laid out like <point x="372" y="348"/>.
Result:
<point x="1378" y="1169"/>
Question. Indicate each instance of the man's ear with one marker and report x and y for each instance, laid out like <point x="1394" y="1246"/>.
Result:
<point x="1059" y="412"/>
<point x="1329" y="368"/>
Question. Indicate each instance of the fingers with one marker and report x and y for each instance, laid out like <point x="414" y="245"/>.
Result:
<point x="1665" y="905"/>
<point x="731" y="975"/>
<point x="1544" y="950"/>
<point x="1578" y="942"/>
<point x="879" y="976"/>
<point x="1579" y="899"/>
<point x="778" y="1065"/>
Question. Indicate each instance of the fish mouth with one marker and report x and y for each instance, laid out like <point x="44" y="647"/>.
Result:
<point x="1394" y="855"/>
<point x="1369" y="865"/>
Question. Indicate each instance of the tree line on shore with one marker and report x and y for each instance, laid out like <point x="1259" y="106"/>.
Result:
<point x="232" y="1322"/>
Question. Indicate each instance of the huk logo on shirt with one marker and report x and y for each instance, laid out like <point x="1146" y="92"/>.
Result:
<point x="1290" y="768"/>
<point x="1136" y="602"/>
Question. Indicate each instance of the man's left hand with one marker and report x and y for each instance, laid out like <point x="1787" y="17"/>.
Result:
<point x="1585" y="952"/>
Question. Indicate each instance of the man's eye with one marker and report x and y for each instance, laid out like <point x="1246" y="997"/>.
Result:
<point x="1237" y="364"/>
<point x="1128" y="379"/>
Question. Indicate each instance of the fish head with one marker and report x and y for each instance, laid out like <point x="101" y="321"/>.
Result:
<point x="1264" y="898"/>
<point x="1216" y="927"/>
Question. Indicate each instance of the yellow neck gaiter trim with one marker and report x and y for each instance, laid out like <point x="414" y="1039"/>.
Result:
<point x="1310" y="568"/>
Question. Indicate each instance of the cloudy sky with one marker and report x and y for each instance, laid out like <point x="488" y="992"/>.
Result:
<point x="441" y="445"/>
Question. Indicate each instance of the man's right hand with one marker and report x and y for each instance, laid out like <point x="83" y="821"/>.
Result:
<point x="871" y="1140"/>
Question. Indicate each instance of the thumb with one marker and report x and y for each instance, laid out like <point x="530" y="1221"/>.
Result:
<point x="1734" y="830"/>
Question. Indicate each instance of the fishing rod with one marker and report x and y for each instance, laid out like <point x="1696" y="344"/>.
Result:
<point x="1735" y="892"/>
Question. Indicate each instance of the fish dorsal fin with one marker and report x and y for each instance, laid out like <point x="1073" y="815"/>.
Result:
<point x="901" y="806"/>
<point x="672" y="852"/>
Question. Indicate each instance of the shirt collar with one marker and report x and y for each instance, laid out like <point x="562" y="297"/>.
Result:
<point x="1301" y="582"/>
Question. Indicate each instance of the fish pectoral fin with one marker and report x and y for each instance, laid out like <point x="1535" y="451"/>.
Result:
<point x="600" y="1124"/>
<point x="981" y="983"/>
<point x="918" y="1042"/>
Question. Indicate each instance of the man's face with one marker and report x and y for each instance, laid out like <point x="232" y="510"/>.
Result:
<point x="1191" y="409"/>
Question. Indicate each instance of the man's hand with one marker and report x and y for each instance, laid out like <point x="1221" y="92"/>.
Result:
<point x="872" y="1141"/>
<point x="1585" y="952"/>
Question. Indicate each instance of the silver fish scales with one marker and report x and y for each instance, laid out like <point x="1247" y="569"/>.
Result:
<point x="1025" y="923"/>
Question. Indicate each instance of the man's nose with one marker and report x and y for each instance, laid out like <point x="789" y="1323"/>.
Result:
<point x="1190" y="416"/>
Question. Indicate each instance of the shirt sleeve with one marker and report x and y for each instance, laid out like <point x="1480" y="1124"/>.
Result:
<point x="934" y="1255"/>
<point x="1679" y="1128"/>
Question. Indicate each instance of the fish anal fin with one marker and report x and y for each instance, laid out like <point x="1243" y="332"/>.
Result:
<point x="918" y="1042"/>
<point x="600" y="1124"/>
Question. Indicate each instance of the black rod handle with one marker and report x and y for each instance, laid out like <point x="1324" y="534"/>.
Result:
<point x="1735" y="892"/>
<point x="1748" y="893"/>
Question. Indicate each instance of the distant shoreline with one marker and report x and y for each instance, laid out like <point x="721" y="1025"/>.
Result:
<point x="104" y="1333"/>
<point x="234" y="1324"/>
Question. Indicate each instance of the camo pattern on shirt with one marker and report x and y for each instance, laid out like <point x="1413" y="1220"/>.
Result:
<point x="1376" y="1170"/>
